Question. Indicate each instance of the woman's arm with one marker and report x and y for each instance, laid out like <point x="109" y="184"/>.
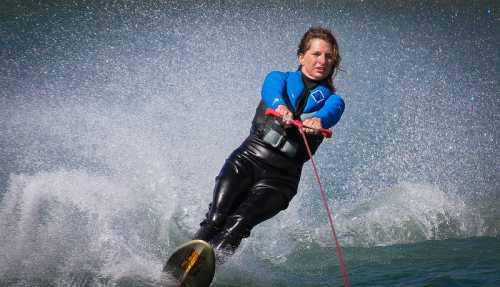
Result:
<point x="331" y="111"/>
<point x="273" y="89"/>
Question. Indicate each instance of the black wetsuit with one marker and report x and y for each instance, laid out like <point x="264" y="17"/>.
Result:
<point x="257" y="181"/>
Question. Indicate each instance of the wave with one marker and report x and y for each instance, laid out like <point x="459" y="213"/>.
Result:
<point x="409" y="213"/>
<point x="76" y="226"/>
<point x="69" y="222"/>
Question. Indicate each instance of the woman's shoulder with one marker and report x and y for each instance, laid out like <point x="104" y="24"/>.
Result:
<point x="274" y="78"/>
<point x="285" y="74"/>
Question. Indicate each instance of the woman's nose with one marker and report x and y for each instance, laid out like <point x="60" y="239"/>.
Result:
<point x="322" y="59"/>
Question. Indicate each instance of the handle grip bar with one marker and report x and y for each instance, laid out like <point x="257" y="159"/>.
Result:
<point x="298" y="124"/>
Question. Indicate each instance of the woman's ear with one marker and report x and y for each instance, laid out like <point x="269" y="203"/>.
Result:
<point x="301" y="59"/>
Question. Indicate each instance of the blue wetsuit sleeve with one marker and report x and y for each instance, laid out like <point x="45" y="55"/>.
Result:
<point x="331" y="112"/>
<point x="273" y="89"/>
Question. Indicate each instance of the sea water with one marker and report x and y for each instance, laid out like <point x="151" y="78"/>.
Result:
<point x="116" y="116"/>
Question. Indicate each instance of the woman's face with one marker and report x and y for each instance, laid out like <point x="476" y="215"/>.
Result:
<point x="317" y="61"/>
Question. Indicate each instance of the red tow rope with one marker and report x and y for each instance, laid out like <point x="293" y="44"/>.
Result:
<point x="326" y="133"/>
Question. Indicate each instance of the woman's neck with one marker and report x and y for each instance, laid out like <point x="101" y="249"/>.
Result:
<point x="310" y="83"/>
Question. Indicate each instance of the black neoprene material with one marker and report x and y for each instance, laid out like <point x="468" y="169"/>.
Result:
<point x="248" y="191"/>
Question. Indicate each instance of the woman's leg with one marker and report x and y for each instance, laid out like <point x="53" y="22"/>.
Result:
<point x="231" y="186"/>
<point x="266" y="199"/>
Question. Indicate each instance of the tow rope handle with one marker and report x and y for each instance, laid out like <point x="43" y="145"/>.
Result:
<point x="326" y="133"/>
<point x="300" y="125"/>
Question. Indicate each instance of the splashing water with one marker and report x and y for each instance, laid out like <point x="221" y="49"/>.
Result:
<point x="116" y="117"/>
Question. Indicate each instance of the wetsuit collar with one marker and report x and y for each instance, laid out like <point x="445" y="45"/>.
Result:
<point x="310" y="84"/>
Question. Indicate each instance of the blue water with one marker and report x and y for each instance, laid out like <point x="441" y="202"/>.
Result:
<point x="115" y="117"/>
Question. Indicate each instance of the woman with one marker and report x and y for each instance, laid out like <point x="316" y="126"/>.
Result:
<point x="261" y="177"/>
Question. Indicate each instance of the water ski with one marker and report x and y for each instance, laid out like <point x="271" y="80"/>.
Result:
<point x="191" y="265"/>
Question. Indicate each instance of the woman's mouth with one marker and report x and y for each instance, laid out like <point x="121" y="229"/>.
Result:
<point x="320" y="69"/>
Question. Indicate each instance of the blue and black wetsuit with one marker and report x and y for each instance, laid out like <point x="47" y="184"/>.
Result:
<point x="261" y="177"/>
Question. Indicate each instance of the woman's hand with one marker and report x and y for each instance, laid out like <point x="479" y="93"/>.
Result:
<point x="286" y="115"/>
<point x="312" y="125"/>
